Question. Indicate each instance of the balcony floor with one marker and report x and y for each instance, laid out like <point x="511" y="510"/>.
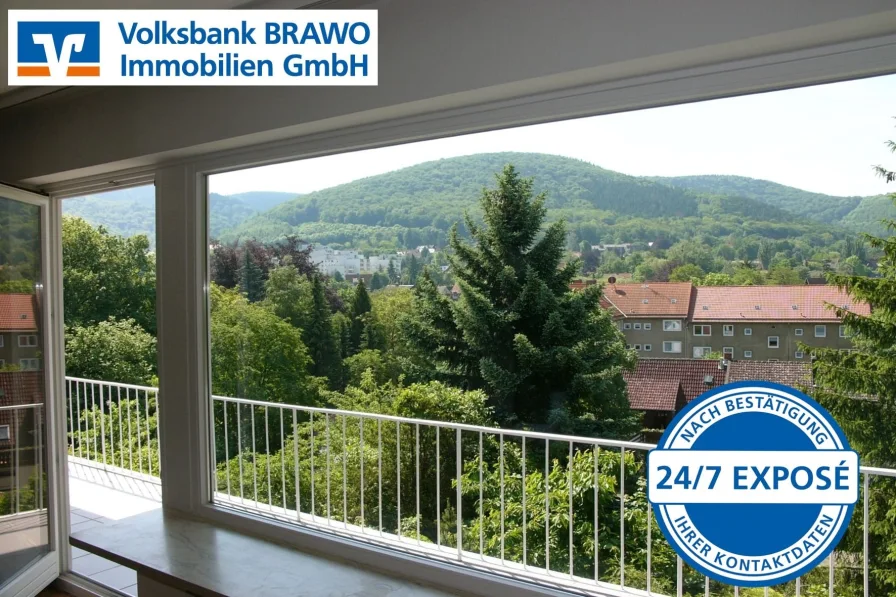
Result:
<point x="98" y="497"/>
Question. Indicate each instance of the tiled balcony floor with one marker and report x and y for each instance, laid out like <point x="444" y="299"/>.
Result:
<point x="99" y="497"/>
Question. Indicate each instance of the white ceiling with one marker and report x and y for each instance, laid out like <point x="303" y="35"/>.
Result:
<point x="12" y="95"/>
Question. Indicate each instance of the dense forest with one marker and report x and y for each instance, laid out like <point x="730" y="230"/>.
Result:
<point x="862" y="214"/>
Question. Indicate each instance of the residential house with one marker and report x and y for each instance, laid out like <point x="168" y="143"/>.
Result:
<point x="19" y="337"/>
<point x="653" y="317"/>
<point x="18" y="425"/>
<point x="769" y="322"/>
<point x="662" y="387"/>
<point x="679" y="320"/>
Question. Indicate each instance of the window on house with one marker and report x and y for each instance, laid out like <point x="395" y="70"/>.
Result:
<point x="2" y="363"/>
<point x="843" y="333"/>
<point x="798" y="354"/>
<point x="702" y="351"/>
<point x="727" y="330"/>
<point x="626" y="326"/>
<point x="4" y="433"/>
<point x="637" y="326"/>
<point x="748" y="331"/>
<point x="798" y="331"/>
<point x="29" y="341"/>
<point x="773" y="341"/>
<point x="728" y="352"/>
<point x="821" y="331"/>
<point x="1" y="341"/>
<point x="647" y="326"/>
<point x="671" y="325"/>
<point x="748" y="354"/>
<point x="637" y="347"/>
<point x="672" y="347"/>
<point x="29" y="364"/>
<point x="647" y="348"/>
<point x="702" y="330"/>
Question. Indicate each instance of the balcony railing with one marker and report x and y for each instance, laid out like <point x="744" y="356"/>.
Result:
<point x="558" y="511"/>
<point x="23" y="486"/>
<point x="113" y="426"/>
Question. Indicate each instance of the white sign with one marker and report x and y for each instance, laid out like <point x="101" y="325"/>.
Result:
<point x="192" y="47"/>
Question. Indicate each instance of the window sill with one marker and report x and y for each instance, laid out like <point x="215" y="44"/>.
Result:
<point x="203" y="559"/>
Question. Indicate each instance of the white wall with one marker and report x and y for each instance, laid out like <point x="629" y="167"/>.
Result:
<point x="434" y="55"/>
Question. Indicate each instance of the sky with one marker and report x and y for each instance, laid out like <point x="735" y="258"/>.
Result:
<point x="823" y="139"/>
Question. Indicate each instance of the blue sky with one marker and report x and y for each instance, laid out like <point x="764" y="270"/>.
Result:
<point x="824" y="138"/>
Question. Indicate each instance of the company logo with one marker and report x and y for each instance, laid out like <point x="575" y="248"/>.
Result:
<point x="753" y="484"/>
<point x="58" y="49"/>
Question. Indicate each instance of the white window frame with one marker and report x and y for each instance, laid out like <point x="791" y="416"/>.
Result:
<point x="748" y="331"/>
<point x="1" y="340"/>
<point x="704" y="350"/>
<point x="705" y="330"/>
<point x="30" y="341"/>
<point x="648" y="348"/>
<point x="748" y="354"/>
<point x="799" y="354"/>
<point x="842" y="331"/>
<point x="2" y="363"/>
<point x="798" y="332"/>
<point x="636" y="326"/>
<point x="8" y="435"/>
<point x="824" y="330"/>
<point x="728" y="350"/>
<point x="671" y="325"/>
<point x="638" y="348"/>
<point x="182" y="256"/>
<point x="672" y="344"/>
<point x="626" y="326"/>
<point x="728" y="329"/>
<point x="777" y="342"/>
<point x="648" y="326"/>
<point x="26" y="364"/>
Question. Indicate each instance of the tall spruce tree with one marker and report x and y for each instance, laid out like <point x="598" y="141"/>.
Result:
<point x="542" y="353"/>
<point x="251" y="278"/>
<point x="320" y="337"/>
<point x="859" y="389"/>
<point x="358" y="312"/>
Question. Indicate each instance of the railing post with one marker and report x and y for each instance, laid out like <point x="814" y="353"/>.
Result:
<point x="460" y="551"/>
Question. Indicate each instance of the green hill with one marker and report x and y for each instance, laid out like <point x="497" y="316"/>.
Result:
<point x="132" y="211"/>
<point x="862" y="214"/>
<point x="418" y="205"/>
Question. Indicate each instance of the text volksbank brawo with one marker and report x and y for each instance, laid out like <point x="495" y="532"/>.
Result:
<point x="193" y="47"/>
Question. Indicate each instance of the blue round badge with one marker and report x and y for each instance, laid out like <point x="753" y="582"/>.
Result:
<point x="753" y="483"/>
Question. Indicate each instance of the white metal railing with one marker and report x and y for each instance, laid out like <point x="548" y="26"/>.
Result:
<point x="393" y="481"/>
<point x="26" y="492"/>
<point x="313" y="466"/>
<point x="113" y="426"/>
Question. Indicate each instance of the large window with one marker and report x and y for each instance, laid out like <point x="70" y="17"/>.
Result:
<point x="671" y="325"/>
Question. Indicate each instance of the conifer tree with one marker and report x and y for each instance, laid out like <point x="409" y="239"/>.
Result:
<point x="541" y="352"/>
<point x="358" y="311"/>
<point x="251" y="278"/>
<point x="859" y="389"/>
<point x="320" y="337"/>
<point x="392" y="272"/>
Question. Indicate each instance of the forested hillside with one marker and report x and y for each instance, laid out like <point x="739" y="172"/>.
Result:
<point x="132" y="211"/>
<point x="862" y="214"/>
<point x="418" y="205"/>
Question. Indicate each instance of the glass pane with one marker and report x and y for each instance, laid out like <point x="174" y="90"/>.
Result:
<point x="24" y="530"/>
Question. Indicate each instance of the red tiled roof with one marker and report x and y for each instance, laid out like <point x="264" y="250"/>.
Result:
<point x="656" y="381"/>
<point x="17" y="313"/>
<point x="657" y="299"/>
<point x="789" y="373"/>
<point x="21" y="387"/>
<point x="655" y="394"/>
<point x="776" y="303"/>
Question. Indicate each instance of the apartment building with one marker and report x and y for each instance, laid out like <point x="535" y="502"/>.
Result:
<point x="653" y="317"/>
<point x="19" y="338"/>
<point x="738" y="322"/>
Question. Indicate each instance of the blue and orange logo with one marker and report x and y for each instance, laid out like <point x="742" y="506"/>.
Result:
<point x="59" y="49"/>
